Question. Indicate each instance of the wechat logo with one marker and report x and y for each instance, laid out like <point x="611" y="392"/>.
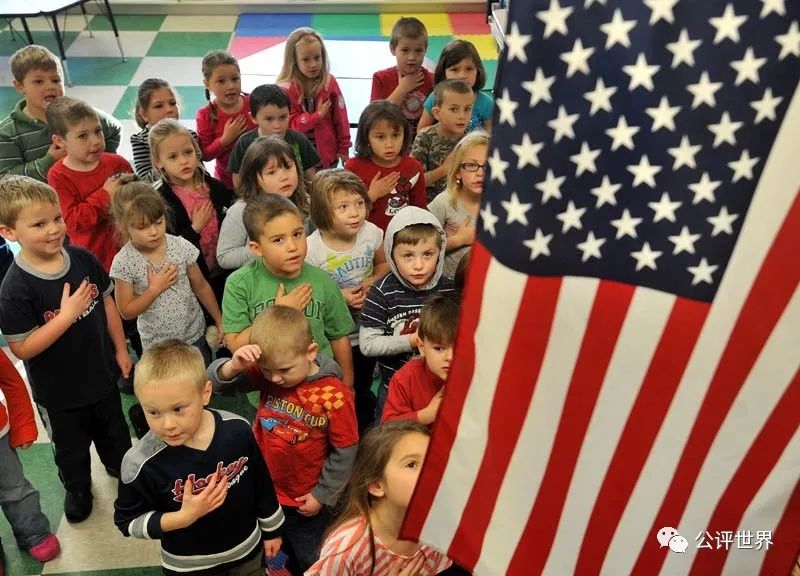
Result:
<point x="669" y="537"/>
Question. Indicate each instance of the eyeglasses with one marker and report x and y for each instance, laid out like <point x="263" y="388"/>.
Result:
<point x="473" y="166"/>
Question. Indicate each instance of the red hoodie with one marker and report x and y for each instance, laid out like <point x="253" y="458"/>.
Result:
<point x="22" y="422"/>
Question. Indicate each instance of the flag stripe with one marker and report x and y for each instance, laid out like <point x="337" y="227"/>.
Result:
<point x="785" y="551"/>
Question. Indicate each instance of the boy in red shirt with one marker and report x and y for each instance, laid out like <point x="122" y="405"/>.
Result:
<point x="415" y="391"/>
<point x="86" y="178"/>
<point x="305" y="425"/>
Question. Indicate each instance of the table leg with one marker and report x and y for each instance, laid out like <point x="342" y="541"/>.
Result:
<point x="28" y="34"/>
<point x="62" y="52"/>
<point x="86" y="19"/>
<point x="116" y="31"/>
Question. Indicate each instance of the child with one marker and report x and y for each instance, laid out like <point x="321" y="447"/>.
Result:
<point x="460" y="276"/>
<point x="57" y="314"/>
<point x="280" y="276"/>
<point x="365" y="538"/>
<point x="269" y="167"/>
<point x="317" y="106"/>
<point x="414" y="246"/>
<point x="415" y="391"/>
<point x="21" y="500"/>
<point x="460" y="60"/>
<point x="197" y="480"/>
<point x="433" y="145"/>
<point x="408" y="83"/>
<point x="155" y="100"/>
<point x="305" y="426"/>
<point x="86" y="178"/>
<point x="25" y="144"/>
<point x="350" y="249"/>
<point x="457" y="208"/>
<point x="269" y="108"/>
<point x="221" y="122"/>
<point x="392" y="177"/>
<point x="157" y="278"/>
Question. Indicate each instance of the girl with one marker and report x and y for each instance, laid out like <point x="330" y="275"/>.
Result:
<point x="269" y="167"/>
<point x="350" y="249"/>
<point x="156" y="275"/>
<point x="393" y="179"/>
<point x="223" y="120"/>
<point x="457" y="207"/>
<point x="317" y="108"/>
<point x="460" y="59"/>
<point x="363" y="540"/>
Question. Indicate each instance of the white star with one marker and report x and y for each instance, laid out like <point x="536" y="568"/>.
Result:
<point x="506" y="106"/>
<point x="488" y="219"/>
<point x="765" y="108"/>
<point x="516" y="43"/>
<point x="591" y="247"/>
<point x="600" y="97"/>
<point x="497" y="167"/>
<point x="684" y="242"/>
<point x="644" y="172"/>
<point x="743" y="167"/>
<point x="702" y="272"/>
<point x="747" y="68"/>
<point x="622" y="134"/>
<point x="704" y="190"/>
<point x="527" y="152"/>
<point x="554" y="18"/>
<point x="571" y="217"/>
<point x="684" y="154"/>
<point x="641" y="73"/>
<point x="562" y="124"/>
<point x="704" y="91"/>
<point x="577" y="59"/>
<point x="626" y="225"/>
<point x="664" y="209"/>
<point x="539" y="87"/>
<point x="617" y="30"/>
<point x="661" y="9"/>
<point x="516" y="210"/>
<point x="722" y="222"/>
<point x="770" y="6"/>
<point x="683" y="49"/>
<point x="584" y="160"/>
<point x="606" y="193"/>
<point x="790" y="42"/>
<point x="725" y="130"/>
<point x="551" y="186"/>
<point x="727" y="25"/>
<point x="646" y="257"/>
<point x="588" y="3"/>
<point x="539" y="245"/>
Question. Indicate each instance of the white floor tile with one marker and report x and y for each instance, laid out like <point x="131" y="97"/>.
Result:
<point x="105" y="98"/>
<point x="183" y="71"/>
<point x="73" y="23"/>
<point x="6" y="79"/>
<point x="199" y="23"/>
<point x="104" y="44"/>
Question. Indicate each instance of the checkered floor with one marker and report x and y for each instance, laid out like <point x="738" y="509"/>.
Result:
<point x="172" y="47"/>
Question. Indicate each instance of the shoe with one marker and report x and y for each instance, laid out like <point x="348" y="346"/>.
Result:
<point x="45" y="550"/>
<point x="78" y="505"/>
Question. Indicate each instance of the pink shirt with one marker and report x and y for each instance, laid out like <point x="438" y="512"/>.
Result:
<point x="190" y="198"/>
<point x="209" y="133"/>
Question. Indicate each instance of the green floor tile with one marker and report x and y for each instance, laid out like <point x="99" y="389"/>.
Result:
<point x="188" y="43"/>
<point x="330" y="25"/>
<point x="128" y="22"/>
<point x="435" y="45"/>
<point x="42" y="37"/>
<point x="491" y="72"/>
<point x="103" y="71"/>
<point x="8" y="99"/>
<point x="191" y="100"/>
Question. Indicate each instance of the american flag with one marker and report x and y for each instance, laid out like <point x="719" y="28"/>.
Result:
<point x="628" y="356"/>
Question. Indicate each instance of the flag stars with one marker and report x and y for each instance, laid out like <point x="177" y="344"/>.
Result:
<point x="684" y="242"/>
<point x="747" y="68"/>
<point x="571" y="217"/>
<point x="722" y="222"/>
<point x="591" y="247"/>
<point x="606" y="193"/>
<point x="539" y="87"/>
<point x="497" y="167"/>
<point x="617" y="30"/>
<point x="527" y="152"/>
<point x="577" y="59"/>
<point x="644" y="172"/>
<point x="626" y="225"/>
<point x="725" y="130"/>
<point x="507" y="107"/>
<point x="555" y="18"/>
<point x="683" y="49"/>
<point x="704" y="190"/>
<point x="663" y="115"/>
<point x="684" y="154"/>
<point x="488" y="219"/>
<point x="743" y="167"/>
<point x="562" y="124"/>
<point x="790" y="42"/>
<point x="766" y="107"/>
<point x="661" y="10"/>
<point x="727" y="25"/>
<point x="539" y="245"/>
<point x="515" y="210"/>
<point x="516" y="44"/>
<point x="704" y="91"/>
<point x="584" y="160"/>
<point x="664" y="209"/>
<point x="622" y="134"/>
<point x="551" y="186"/>
<point x="641" y="74"/>
<point x="770" y="6"/>
<point x="702" y="272"/>
<point x="646" y="257"/>
<point x="600" y="97"/>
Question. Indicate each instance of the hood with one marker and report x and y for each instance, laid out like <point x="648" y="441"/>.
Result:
<point x="404" y="218"/>
<point x="327" y="367"/>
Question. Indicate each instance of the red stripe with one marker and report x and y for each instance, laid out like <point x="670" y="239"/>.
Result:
<point x="647" y="413"/>
<point x="753" y="471"/>
<point x="605" y="322"/>
<point x="784" y="553"/>
<point x="512" y="397"/>
<point x="768" y="297"/>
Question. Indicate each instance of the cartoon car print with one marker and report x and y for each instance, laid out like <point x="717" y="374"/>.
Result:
<point x="286" y="432"/>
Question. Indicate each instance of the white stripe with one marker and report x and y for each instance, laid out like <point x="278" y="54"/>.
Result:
<point x="529" y="460"/>
<point x="491" y="337"/>
<point x="638" y="340"/>
<point x="775" y="192"/>
<point x="766" y="383"/>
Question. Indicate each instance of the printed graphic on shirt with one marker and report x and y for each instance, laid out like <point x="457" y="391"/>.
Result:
<point x="412" y="105"/>
<point x="232" y="471"/>
<point x="398" y="198"/>
<point x="299" y="419"/>
<point x="348" y="271"/>
<point x="51" y="314"/>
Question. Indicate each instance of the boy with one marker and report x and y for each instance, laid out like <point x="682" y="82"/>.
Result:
<point x="408" y="83"/>
<point x="415" y="391"/>
<point x="280" y="276"/>
<point x="86" y="177"/>
<point x="453" y="101"/>
<point x="25" y="144"/>
<point x="414" y="245"/>
<point x="306" y="423"/>
<point x="58" y="315"/>
<point x="269" y="108"/>
<point x="197" y="480"/>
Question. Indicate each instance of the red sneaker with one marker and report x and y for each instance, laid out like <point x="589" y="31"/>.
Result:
<point x="45" y="550"/>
